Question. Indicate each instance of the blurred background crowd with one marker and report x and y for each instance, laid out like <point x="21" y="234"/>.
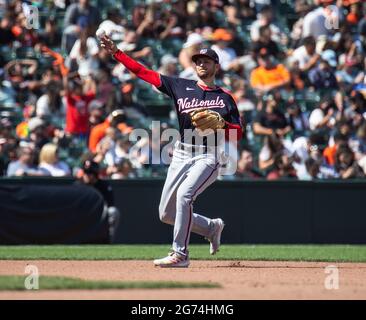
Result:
<point x="295" y="68"/>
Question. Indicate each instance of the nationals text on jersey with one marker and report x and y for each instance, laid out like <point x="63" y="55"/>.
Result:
<point x="185" y="105"/>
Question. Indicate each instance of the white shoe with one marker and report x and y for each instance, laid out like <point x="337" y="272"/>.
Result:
<point x="173" y="260"/>
<point x="215" y="239"/>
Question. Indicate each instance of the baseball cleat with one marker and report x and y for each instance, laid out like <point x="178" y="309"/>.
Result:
<point x="173" y="260"/>
<point x="215" y="239"/>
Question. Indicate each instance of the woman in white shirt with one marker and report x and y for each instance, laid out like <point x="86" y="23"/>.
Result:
<point x="49" y="163"/>
<point x="49" y="104"/>
<point x="85" y="54"/>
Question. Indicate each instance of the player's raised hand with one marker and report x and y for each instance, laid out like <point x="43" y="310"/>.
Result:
<point x="108" y="44"/>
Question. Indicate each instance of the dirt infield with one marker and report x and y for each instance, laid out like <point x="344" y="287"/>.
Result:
<point x="239" y="279"/>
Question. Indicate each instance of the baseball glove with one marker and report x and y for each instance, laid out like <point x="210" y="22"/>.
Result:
<point x="204" y="119"/>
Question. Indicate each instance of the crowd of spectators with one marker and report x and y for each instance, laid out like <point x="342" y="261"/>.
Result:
<point x="295" y="68"/>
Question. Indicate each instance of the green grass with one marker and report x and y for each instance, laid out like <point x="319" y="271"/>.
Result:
<point x="332" y="253"/>
<point x="65" y="283"/>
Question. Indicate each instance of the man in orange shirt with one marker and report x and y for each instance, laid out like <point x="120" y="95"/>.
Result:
<point x="330" y="152"/>
<point x="116" y="120"/>
<point x="268" y="75"/>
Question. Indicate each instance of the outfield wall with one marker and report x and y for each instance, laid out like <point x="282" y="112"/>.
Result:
<point x="254" y="211"/>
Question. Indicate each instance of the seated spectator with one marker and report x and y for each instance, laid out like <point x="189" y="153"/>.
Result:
<point x="49" y="104"/>
<point x="117" y="151"/>
<point x="240" y="95"/>
<point x="245" y="168"/>
<point x="348" y="74"/>
<point x="271" y="120"/>
<point x="298" y="120"/>
<point x="242" y="10"/>
<point x="358" y="143"/>
<point x="330" y="56"/>
<point x="346" y="165"/>
<point x="306" y="55"/>
<point x="330" y="152"/>
<point x="302" y="8"/>
<point x="265" y="41"/>
<point x="313" y="146"/>
<point x="50" y="36"/>
<point x="49" y="163"/>
<point x="260" y="4"/>
<point x="323" y="116"/>
<point x="345" y="128"/>
<point x="132" y="109"/>
<point x="105" y="89"/>
<point x="265" y="18"/>
<point x="356" y="108"/>
<point x="130" y="45"/>
<point x="96" y="113"/>
<point x="6" y="128"/>
<point x="201" y="15"/>
<point x="116" y="120"/>
<point x="82" y="9"/>
<point x="355" y="13"/>
<point x="78" y="16"/>
<point x="271" y="148"/>
<point x="25" y="165"/>
<point x="192" y="46"/>
<point x="312" y="169"/>
<point x="101" y="150"/>
<point x="168" y="66"/>
<point x="309" y="152"/>
<point x="38" y="135"/>
<point x="316" y="21"/>
<point x="8" y="145"/>
<point x="269" y="75"/>
<point x="122" y="170"/>
<point x="6" y="34"/>
<point x="227" y="55"/>
<point x="282" y="168"/>
<point x="322" y="76"/>
<point x="156" y="21"/>
<point x="84" y="54"/>
<point x="27" y="37"/>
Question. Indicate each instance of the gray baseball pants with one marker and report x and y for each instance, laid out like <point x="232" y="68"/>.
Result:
<point x="189" y="174"/>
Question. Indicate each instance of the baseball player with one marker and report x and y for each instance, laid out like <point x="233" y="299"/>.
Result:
<point x="204" y="107"/>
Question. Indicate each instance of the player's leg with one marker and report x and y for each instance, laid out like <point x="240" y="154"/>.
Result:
<point x="202" y="174"/>
<point x="177" y="173"/>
